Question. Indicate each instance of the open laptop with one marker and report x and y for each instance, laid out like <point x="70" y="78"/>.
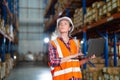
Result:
<point x="96" y="46"/>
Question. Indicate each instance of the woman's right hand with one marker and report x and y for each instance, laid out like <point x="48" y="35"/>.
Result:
<point x="74" y="56"/>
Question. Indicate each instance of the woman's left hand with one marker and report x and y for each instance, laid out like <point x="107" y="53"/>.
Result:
<point x="93" y="56"/>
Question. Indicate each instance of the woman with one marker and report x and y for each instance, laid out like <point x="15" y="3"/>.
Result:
<point x="64" y="52"/>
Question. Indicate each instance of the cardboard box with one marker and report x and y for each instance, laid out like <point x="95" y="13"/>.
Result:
<point x="111" y="70"/>
<point x="109" y="6"/>
<point x="98" y="60"/>
<point x="119" y="50"/>
<point x="100" y="4"/>
<point x="3" y="68"/>
<point x="7" y="56"/>
<point x="94" y="5"/>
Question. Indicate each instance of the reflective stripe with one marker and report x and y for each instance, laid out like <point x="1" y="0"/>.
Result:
<point x="52" y="68"/>
<point x="68" y="70"/>
<point x="58" y="49"/>
<point x="76" y="41"/>
<point x="72" y="60"/>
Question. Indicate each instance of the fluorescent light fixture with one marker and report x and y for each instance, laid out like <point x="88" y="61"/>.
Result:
<point x="46" y="40"/>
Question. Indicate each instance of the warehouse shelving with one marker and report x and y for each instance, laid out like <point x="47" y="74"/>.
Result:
<point x="49" y="7"/>
<point x="6" y="36"/>
<point x="105" y="27"/>
<point x="7" y="40"/>
<point x="100" y="22"/>
<point x="65" y="11"/>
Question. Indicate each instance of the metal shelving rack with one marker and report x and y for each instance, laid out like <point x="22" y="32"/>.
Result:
<point x="7" y="42"/>
<point x="104" y="27"/>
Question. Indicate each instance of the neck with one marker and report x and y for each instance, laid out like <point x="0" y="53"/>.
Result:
<point x="65" y="37"/>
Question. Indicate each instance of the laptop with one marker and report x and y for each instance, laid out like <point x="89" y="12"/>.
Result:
<point x="96" y="46"/>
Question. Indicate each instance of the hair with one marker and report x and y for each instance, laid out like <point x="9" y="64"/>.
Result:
<point x="66" y="20"/>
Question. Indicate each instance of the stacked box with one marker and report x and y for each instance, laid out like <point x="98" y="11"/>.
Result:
<point x="109" y="7"/>
<point x="7" y="70"/>
<point x="104" y="9"/>
<point x="11" y="63"/>
<point x="111" y="61"/>
<point x="119" y="50"/>
<point x="115" y="6"/>
<point x="96" y="6"/>
<point x="0" y="68"/>
<point x="94" y="73"/>
<point x="7" y="56"/>
<point x="3" y="69"/>
<point x="87" y="16"/>
<point x="7" y="29"/>
<point x="97" y="10"/>
<point x="78" y="18"/>
<point x="2" y="25"/>
<point x="94" y="15"/>
<point x="9" y="66"/>
<point x="111" y="73"/>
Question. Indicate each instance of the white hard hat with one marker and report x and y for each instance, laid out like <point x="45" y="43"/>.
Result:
<point x="65" y="18"/>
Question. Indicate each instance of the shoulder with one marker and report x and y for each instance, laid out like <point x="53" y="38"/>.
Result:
<point x="52" y="43"/>
<point x="75" y="39"/>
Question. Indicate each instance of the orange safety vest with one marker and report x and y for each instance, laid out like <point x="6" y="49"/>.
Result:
<point x="70" y="68"/>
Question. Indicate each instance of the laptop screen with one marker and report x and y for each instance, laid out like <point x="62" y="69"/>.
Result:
<point x="96" y="46"/>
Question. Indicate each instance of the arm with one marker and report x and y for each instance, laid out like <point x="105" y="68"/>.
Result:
<point x="83" y="61"/>
<point x="53" y="59"/>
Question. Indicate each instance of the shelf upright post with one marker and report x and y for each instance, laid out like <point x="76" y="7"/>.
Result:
<point x="3" y="49"/>
<point x="68" y="12"/>
<point x="18" y="8"/>
<point x="9" y="47"/>
<point x="115" y="50"/>
<point x="106" y="49"/>
<point x="53" y="10"/>
<point x="84" y="31"/>
<point x="12" y="50"/>
<point x="9" y="4"/>
<point x="84" y="46"/>
<point x="4" y="13"/>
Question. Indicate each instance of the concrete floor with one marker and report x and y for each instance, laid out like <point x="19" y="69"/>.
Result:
<point x="30" y="71"/>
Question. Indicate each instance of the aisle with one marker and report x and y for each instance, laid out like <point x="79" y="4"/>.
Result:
<point x="30" y="71"/>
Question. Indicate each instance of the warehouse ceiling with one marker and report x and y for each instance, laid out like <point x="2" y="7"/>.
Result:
<point x="31" y="17"/>
<point x="31" y="26"/>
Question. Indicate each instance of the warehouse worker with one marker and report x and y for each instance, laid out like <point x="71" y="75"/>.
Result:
<point x="64" y="52"/>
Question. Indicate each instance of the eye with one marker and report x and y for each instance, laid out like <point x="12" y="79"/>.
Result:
<point x="65" y="23"/>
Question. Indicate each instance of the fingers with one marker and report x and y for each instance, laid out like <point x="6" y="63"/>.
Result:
<point x="92" y="57"/>
<point x="80" y="54"/>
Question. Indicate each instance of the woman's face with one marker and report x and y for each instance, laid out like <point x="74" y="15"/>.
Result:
<point x="64" y="26"/>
